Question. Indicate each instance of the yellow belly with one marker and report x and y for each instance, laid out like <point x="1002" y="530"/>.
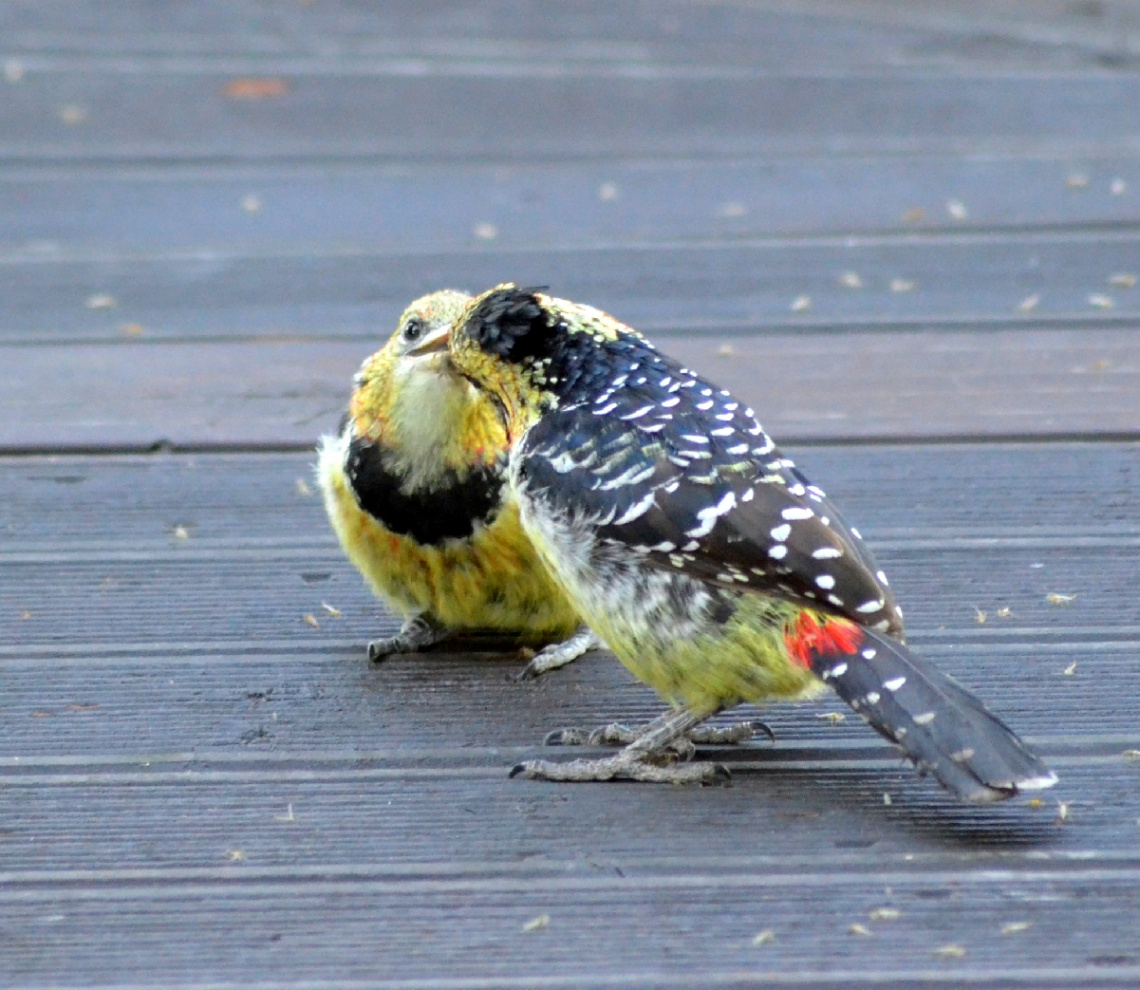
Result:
<point x="655" y="623"/>
<point x="744" y="660"/>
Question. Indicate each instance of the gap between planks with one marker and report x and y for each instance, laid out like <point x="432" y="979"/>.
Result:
<point x="896" y="875"/>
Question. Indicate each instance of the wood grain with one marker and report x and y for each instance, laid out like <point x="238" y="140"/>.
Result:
<point x="860" y="384"/>
<point x="135" y="210"/>
<point x="169" y="112"/>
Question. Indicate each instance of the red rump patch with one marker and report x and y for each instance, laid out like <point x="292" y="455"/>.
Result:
<point x="813" y="636"/>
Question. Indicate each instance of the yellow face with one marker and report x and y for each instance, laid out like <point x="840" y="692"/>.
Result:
<point x="374" y="396"/>
<point x="417" y="405"/>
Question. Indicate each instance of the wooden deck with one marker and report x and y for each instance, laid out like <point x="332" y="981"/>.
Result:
<point x="924" y="223"/>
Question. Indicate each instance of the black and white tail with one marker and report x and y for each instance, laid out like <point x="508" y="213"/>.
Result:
<point x="942" y="728"/>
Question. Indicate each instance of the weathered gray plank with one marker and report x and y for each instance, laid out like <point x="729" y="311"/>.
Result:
<point x="288" y="696"/>
<point x="421" y="208"/>
<point x="828" y="35"/>
<point x="904" y="492"/>
<point x="676" y="932"/>
<point x="245" y="595"/>
<point x="820" y="809"/>
<point x="163" y="109"/>
<point x="590" y="32"/>
<point x="665" y="287"/>
<point x="989" y="383"/>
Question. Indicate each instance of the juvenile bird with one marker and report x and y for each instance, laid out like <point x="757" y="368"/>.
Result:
<point x="415" y="488"/>
<point x="698" y="551"/>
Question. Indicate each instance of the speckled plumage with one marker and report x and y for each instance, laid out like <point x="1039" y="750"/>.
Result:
<point x="713" y="568"/>
<point x="415" y="488"/>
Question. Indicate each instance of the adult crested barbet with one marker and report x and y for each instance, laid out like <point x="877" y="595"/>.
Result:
<point x="415" y="487"/>
<point x="695" y="548"/>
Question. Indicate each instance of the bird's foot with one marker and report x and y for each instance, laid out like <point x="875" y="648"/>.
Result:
<point x="560" y="654"/>
<point x="616" y="734"/>
<point x="657" y="754"/>
<point x="642" y="767"/>
<point x="418" y="632"/>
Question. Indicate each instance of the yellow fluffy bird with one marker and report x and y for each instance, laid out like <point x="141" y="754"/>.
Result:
<point x="415" y="487"/>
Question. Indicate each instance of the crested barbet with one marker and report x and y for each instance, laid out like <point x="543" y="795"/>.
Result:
<point x="415" y="487"/>
<point x="699" y="552"/>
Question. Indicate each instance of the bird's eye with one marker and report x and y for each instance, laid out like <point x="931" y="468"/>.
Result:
<point x="413" y="328"/>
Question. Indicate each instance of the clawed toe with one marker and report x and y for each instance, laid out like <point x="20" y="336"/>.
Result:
<point x="613" y="734"/>
<point x="617" y="734"/>
<point x="713" y="735"/>
<point x="560" y="654"/>
<point x="566" y="737"/>
<point x="623" y="767"/>
<point x="380" y="649"/>
<point x="418" y="632"/>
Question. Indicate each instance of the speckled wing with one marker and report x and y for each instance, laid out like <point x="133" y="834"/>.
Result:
<point x="681" y="473"/>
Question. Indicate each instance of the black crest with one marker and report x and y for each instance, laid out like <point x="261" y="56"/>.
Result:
<point x="512" y="324"/>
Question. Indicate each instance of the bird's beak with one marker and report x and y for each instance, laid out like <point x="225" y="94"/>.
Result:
<point x="434" y="343"/>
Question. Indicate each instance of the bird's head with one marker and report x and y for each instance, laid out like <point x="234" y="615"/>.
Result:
<point x="531" y="351"/>
<point x="415" y="403"/>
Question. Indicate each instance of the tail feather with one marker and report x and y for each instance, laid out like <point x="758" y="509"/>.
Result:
<point x="940" y="726"/>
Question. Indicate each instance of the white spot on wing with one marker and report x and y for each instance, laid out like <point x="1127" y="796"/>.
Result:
<point x="797" y="512"/>
<point x="630" y="476"/>
<point x="563" y="463"/>
<point x="638" y="413"/>
<point x="709" y="516"/>
<point x="827" y="553"/>
<point x="636" y="510"/>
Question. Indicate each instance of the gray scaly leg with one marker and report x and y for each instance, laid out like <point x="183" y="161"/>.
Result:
<point x="416" y="633"/>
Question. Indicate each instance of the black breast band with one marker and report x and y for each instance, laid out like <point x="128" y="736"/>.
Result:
<point x="449" y="510"/>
